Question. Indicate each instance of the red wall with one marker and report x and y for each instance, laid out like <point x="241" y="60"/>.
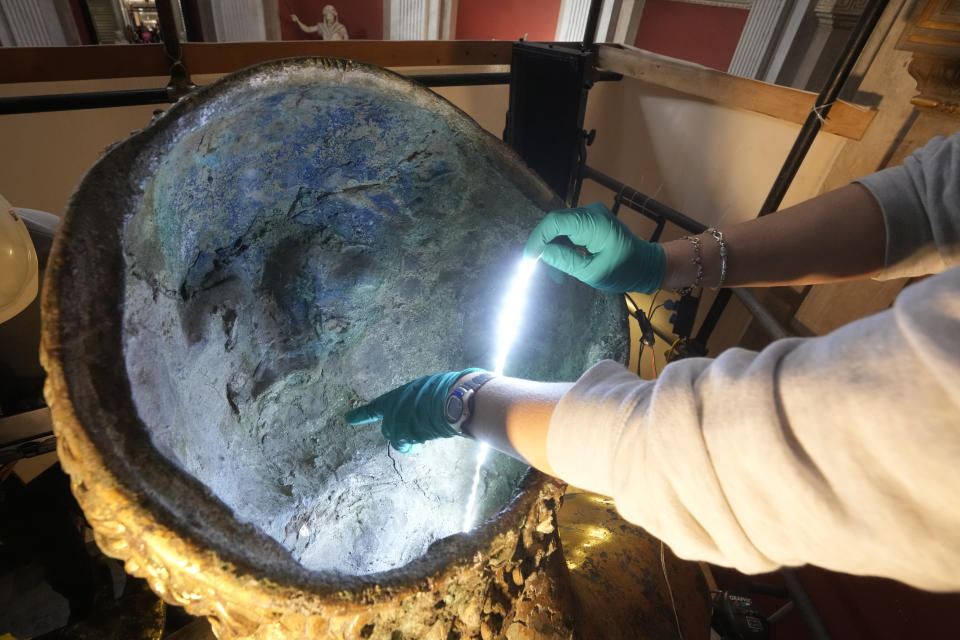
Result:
<point x="507" y="19"/>
<point x="699" y="33"/>
<point x="362" y="18"/>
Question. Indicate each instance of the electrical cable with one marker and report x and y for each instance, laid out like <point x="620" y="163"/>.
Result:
<point x="649" y="315"/>
<point x="636" y="310"/>
<point x="636" y="307"/>
<point x="666" y="578"/>
<point x="663" y="559"/>
<point x="669" y="353"/>
<point x="654" y="299"/>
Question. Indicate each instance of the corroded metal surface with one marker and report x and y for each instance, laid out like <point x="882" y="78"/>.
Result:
<point x="301" y="251"/>
<point x="505" y="578"/>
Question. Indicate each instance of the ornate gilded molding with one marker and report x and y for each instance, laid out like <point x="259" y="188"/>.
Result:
<point x="938" y="80"/>
<point x="934" y="29"/>
<point x="933" y="36"/>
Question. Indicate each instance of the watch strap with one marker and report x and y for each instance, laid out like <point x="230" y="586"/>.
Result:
<point x="474" y="385"/>
<point x="466" y="391"/>
<point x="477" y="381"/>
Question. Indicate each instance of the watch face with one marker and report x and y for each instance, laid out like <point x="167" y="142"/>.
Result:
<point x="454" y="409"/>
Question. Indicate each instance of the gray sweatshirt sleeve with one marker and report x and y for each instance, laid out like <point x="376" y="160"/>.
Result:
<point x="841" y="450"/>
<point x="921" y="209"/>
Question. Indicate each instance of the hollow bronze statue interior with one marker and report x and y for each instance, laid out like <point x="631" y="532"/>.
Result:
<point x="302" y="251"/>
<point x="281" y="246"/>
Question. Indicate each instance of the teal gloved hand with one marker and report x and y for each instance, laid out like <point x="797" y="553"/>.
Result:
<point x="412" y="413"/>
<point x="612" y="258"/>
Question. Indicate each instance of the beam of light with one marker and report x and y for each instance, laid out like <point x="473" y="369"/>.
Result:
<point x="511" y="313"/>
<point x="511" y="316"/>
<point x="470" y="514"/>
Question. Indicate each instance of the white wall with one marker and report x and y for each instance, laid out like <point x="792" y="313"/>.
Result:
<point x="713" y="163"/>
<point x="45" y="154"/>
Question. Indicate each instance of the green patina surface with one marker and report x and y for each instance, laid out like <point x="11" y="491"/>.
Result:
<point x="307" y="249"/>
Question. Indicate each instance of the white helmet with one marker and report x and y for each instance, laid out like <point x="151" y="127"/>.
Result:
<point x="18" y="263"/>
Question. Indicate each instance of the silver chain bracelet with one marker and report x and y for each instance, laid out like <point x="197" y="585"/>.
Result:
<point x="718" y="236"/>
<point x="697" y="260"/>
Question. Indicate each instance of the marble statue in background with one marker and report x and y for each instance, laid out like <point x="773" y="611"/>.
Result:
<point x="330" y="29"/>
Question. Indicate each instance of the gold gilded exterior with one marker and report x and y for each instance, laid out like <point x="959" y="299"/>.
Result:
<point x="617" y="576"/>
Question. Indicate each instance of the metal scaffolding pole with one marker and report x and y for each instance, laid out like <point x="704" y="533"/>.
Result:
<point x="643" y="203"/>
<point x="132" y="97"/>
<point x="590" y="31"/>
<point x="92" y="100"/>
<point x="657" y="211"/>
<point x="825" y="99"/>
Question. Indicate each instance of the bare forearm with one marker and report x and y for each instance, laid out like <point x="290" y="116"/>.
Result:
<point x="839" y="235"/>
<point x="513" y="416"/>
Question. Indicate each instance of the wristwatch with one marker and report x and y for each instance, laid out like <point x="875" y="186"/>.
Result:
<point x="458" y="408"/>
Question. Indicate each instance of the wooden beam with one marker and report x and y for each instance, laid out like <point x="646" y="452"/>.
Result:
<point x="43" y="64"/>
<point x="224" y="58"/>
<point x="53" y="64"/>
<point x="845" y="119"/>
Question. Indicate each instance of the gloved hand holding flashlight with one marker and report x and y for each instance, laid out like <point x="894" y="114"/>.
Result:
<point x="412" y="413"/>
<point x="612" y="259"/>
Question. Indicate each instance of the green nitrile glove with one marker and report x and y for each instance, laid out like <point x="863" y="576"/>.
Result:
<point x="611" y="258"/>
<point x="412" y="413"/>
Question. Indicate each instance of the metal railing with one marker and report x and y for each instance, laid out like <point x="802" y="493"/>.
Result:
<point x="661" y="214"/>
